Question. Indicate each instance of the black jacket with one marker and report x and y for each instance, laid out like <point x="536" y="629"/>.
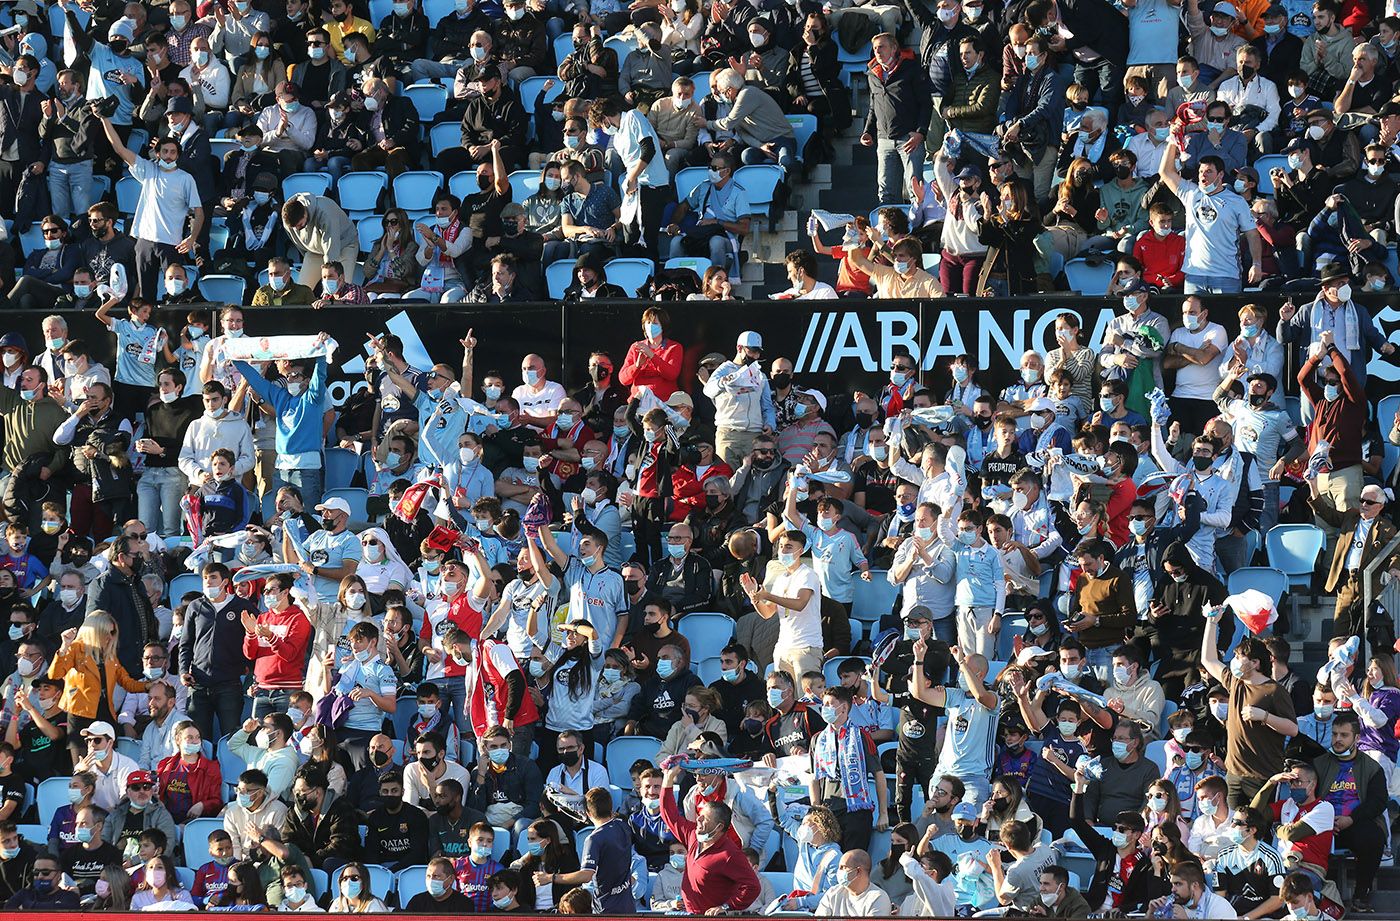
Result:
<point x="403" y="38"/>
<point x="523" y="43"/>
<point x="658" y="703"/>
<point x="899" y="100"/>
<point x="125" y="599"/>
<point x="71" y="136"/>
<point x="20" y="117"/>
<point x="240" y="169"/>
<point x="400" y="121"/>
<point x="484" y="121"/>
<point x="1097" y="26"/>
<point x="397" y="840"/>
<point x="1286" y="57"/>
<point x="451" y="37"/>
<point x="521" y="783"/>
<point x="211" y="646"/>
<point x="606" y="291"/>
<point x="689" y="589"/>
<point x="336" y="835"/>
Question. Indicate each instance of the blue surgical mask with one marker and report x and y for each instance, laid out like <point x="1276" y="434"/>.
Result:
<point x="330" y="285"/>
<point x="501" y="903"/>
<point x="83" y="834"/>
<point x="651" y="330"/>
<point x="82" y="291"/>
<point x="787" y="559"/>
<point x="678" y="861"/>
<point x="1298" y="795"/>
<point x="436" y="887"/>
<point x="262" y="52"/>
<point x="1249" y="331"/>
<point x="565" y="420"/>
<point x="534" y="848"/>
<point x="1032" y="61"/>
<point x="621" y="431"/>
<point x="665" y="667"/>
<point x="612" y="674"/>
<point x="775" y="697"/>
<point x="675" y="551"/>
<point x="1120" y="749"/>
<point x="730" y="674"/>
<point x="499" y="755"/>
<point x="1220" y="710"/>
<point x="1331" y="392"/>
<point x="1120" y="839"/>
<point x="1272" y="28"/>
<point x="829" y="713"/>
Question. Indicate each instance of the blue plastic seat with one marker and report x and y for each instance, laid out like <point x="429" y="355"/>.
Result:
<point x="444" y="136"/>
<point x="414" y="190"/>
<point x="222" y="147"/>
<point x="621" y="46"/>
<point x="218" y="236"/>
<point x="707" y="670"/>
<point x="708" y="632"/>
<point x="37" y="835"/>
<point x="182" y="584"/>
<point x="759" y="180"/>
<point x="622" y="751"/>
<point x="186" y="877"/>
<point x="370" y="229"/>
<point x="1266" y="163"/>
<point x="197" y="839"/>
<point x="830" y="667"/>
<point x="701" y="80"/>
<point x="563" y="47"/>
<point x="523" y="184"/>
<point x="381" y="880"/>
<point x="340" y="466"/>
<point x="32" y="240"/>
<point x="359" y="192"/>
<point x="379" y="10"/>
<point x="411" y="881"/>
<point x="873" y="599"/>
<point x="1266" y="579"/>
<point x="355" y="497"/>
<point x="529" y="91"/>
<point x="52" y="793"/>
<point x="223" y="289"/>
<point x="314" y="183"/>
<point x="128" y="192"/>
<point x="803" y="127"/>
<point x="436" y="10"/>
<point x="1385" y="417"/>
<point x="1090" y="280"/>
<point x="558" y="275"/>
<point x="430" y="99"/>
<point x="462" y="184"/>
<point x="629" y="274"/>
<point x="688" y="179"/>
<point x="1293" y="550"/>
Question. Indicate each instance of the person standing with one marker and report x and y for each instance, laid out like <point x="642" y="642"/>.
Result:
<point x="323" y="233"/>
<point x="718" y="878"/>
<point x="1216" y="217"/>
<point x="212" y="663"/>
<point x="1362" y="534"/>
<point x="299" y="407"/>
<point x="1260" y="718"/>
<point x="795" y="599"/>
<point x="895" y="125"/>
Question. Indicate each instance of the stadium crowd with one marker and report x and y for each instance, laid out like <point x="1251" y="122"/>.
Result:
<point x="696" y="639"/>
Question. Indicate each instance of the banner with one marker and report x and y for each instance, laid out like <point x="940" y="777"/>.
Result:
<point x="835" y="345"/>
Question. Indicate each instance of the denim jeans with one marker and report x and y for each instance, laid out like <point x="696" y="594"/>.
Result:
<point x="787" y="154"/>
<point x="333" y="165"/>
<point x="271" y="700"/>
<point x="719" y="248"/>
<point x="158" y="492"/>
<point x="894" y="167"/>
<point x="454" y="697"/>
<point x="70" y="187"/>
<point x="1212" y="284"/>
<point x="309" y="482"/>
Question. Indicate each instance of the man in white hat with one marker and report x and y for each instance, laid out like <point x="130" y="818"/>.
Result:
<point x="743" y="401"/>
<point x="110" y="766"/>
<point x="332" y="553"/>
<point x="1213" y="41"/>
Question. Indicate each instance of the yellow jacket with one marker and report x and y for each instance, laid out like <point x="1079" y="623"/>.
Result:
<point x="81" y="676"/>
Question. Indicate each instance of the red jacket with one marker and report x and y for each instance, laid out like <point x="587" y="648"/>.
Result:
<point x="1161" y="258"/>
<point x="718" y="876"/>
<point x="661" y="372"/>
<point x="204" y="779"/>
<point x="280" y="662"/>
<point x="688" y="493"/>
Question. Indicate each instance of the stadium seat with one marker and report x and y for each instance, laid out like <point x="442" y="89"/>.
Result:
<point x="410" y="881"/>
<point x="444" y="136"/>
<point x="340" y="466"/>
<point x="359" y="192"/>
<point x="563" y="47"/>
<point x="1156" y="752"/>
<point x="32" y="240"/>
<point x="530" y="87"/>
<point x="313" y="183"/>
<point x="558" y="275"/>
<point x="803" y="127"/>
<point x="688" y="179"/>
<point x="379" y="10"/>
<point x="1012" y="626"/>
<point x="1385" y="416"/>
<point x="708" y="632"/>
<point x="52" y="793"/>
<point x="1266" y="579"/>
<point x="697" y="264"/>
<point x="223" y="289"/>
<point x="621" y="46"/>
<point x="128" y="192"/>
<point x="873" y="599"/>
<point x="623" y="750"/>
<point x="429" y="99"/>
<point x="186" y="877"/>
<point x="381" y="880"/>
<point x="355" y="497"/>
<point x="130" y="747"/>
<point x="1090" y="280"/>
<point x="222" y="147"/>
<point x="760" y="181"/>
<point x="218" y="236"/>
<point x="37" y="835"/>
<point x="1293" y="549"/>
<point x="523" y="184"/>
<point x="196" y="839"/>
<point x="702" y="83"/>
<point x="370" y="229"/>
<point x="852" y="63"/>
<point x="183" y="583"/>
<point x="830" y="667"/>
<point x="435" y="10"/>
<point x="414" y="190"/>
<point x="707" y="670"/>
<point x="1264" y="165"/>
<point x="629" y="274"/>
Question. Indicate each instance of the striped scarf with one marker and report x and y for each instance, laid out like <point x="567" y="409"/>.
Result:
<point x="841" y="753"/>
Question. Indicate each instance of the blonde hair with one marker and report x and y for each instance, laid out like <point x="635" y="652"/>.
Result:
<point x="99" y="634"/>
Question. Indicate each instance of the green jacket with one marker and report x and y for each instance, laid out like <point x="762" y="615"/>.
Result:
<point x="1125" y="207"/>
<point x="29" y="428"/>
<point x="971" y="104"/>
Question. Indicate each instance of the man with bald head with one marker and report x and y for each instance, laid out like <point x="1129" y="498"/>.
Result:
<point x="538" y="396"/>
<point x="682" y="577"/>
<point x="1363" y="533"/>
<point x="855" y="895"/>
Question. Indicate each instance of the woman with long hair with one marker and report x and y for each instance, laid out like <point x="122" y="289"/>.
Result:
<point x="318" y="745"/>
<point x="355" y="894"/>
<point x="1379" y="709"/>
<point x="570" y="688"/>
<point x="87" y="664"/>
<point x="112" y="889"/>
<point x="548" y="854"/>
<point x="245" y="890"/>
<point x="1009" y="232"/>
<point x="1163" y="807"/>
<point x="888" y="874"/>
<point x="262" y="70"/>
<point x="331" y="622"/>
<point x="613" y="699"/>
<point x="159" y="884"/>
<point x="698" y="711"/>
<point x="1072" y="220"/>
<point x="818" y="837"/>
<point x="392" y="264"/>
<point x="543" y="212"/>
<point x="1006" y="802"/>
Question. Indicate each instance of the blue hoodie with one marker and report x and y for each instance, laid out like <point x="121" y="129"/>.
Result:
<point x="299" y="418"/>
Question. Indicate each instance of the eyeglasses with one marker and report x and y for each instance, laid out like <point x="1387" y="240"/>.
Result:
<point x="139" y="787"/>
<point x="1035" y="615"/>
<point x="1193" y="748"/>
<point x="52" y="231"/>
<point x="38" y="872"/>
<point x="1376" y="162"/>
<point x="1123" y="828"/>
<point x="315" y="44"/>
<point x="141" y="536"/>
<point x="391" y="222"/>
<point x="1371" y="502"/>
<point x="353" y="879"/>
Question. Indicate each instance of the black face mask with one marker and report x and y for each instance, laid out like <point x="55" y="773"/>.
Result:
<point x="983" y="421"/>
<point x="118" y="46"/>
<point x="653" y="629"/>
<point x="1247" y="71"/>
<point x="1202" y="463"/>
<point x="569" y="758"/>
<point x="599" y="374"/>
<point x="865" y="420"/>
<point x="483" y="182"/>
<point x="633" y="586"/>
<point x="967" y="832"/>
<point x="713" y="502"/>
<point x="306" y="802"/>
<point x="1122" y="170"/>
<point x="430" y="764"/>
<point x="328" y="523"/>
<point x="1258" y="399"/>
<point x="379" y="759"/>
<point x="781" y="380"/>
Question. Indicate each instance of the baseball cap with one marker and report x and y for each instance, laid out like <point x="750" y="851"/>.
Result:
<point x="919" y="612"/>
<point x="680" y="398"/>
<point x="1030" y="654"/>
<point x="750" y="340"/>
<point x="1226" y="9"/>
<point x="13" y="341"/>
<point x="100" y="728"/>
<point x="965" y="811"/>
<point x="1042" y="404"/>
<point x="1133" y="286"/>
<point x="139" y="777"/>
<point x="1299" y="144"/>
<point x="1389" y="110"/>
<point x="968" y="172"/>
<point x="334" y="505"/>
<point x="818" y="396"/>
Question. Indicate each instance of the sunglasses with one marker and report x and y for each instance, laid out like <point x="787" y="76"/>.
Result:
<point x="139" y="787"/>
<point x="315" y="44"/>
<point x="392" y="222"/>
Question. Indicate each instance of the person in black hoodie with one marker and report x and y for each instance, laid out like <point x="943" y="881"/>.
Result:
<point x="241" y="166"/>
<point x="322" y="824"/>
<point x="449" y="43"/>
<point x="397" y="832"/>
<point x="212" y="663"/>
<point x="737" y="687"/>
<point x="590" y="283"/>
<point x="1175" y="619"/>
<point x="658" y="703"/>
<point x="342" y="136"/>
<point x="168" y="417"/>
<point x="393" y="129"/>
<point x="402" y="36"/>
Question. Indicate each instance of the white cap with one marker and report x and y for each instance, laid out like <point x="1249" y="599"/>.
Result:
<point x="818" y="396"/>
<point x="1042" y="404"/>
<point x="334" y="505"/>
<point x="1030" y="654"/>
<point x="100" y="728"/>
<point x="750" y="340"/>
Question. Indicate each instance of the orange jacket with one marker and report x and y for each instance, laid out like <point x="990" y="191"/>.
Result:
<point x="81" y="673"/>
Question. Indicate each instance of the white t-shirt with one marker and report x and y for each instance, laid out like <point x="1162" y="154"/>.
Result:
<point x="798" y="629"/>
<point x="633" y="128"/>
<point x="543" y="403"/>
<point x="1198" y="382"/>
<point x="1213" y="227"/>
<point x="166" y="198"/>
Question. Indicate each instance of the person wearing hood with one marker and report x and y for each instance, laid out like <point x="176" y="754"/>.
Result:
<point x="322" y="825"/>
<point x="590" y="283"/>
